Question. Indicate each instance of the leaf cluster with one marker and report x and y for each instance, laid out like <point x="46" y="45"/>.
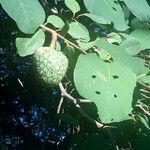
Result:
<point x="108" y="47"/>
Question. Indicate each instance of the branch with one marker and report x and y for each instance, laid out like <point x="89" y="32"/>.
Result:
<point x="65" y="94"/>
<point x="61" y="37"/>
<point x="54" y="39"/>
<point x="98" y="124"/>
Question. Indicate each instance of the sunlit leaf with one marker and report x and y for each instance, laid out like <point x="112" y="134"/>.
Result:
<point x="109" y="85"/>
<point x="70" y="52"/>
<point x="27" y="46"/>
<point x="139" y="8"/>
<point x="143" y="36"/>
<point x="28" y="14"/>
<point x="55" y="21"/>
<point x="97" y="18"/>
<point x="113" y="38"/>
<point x="72" y="5"/>
<point x="104" y="55"/>
<point x="109" y="10"/>
<point x="78" y="31"/>
<point x="126" y="12"/>
<point x="132" y="46"/>
<point x="86" y="45"/>
<point x="119" y="54"/>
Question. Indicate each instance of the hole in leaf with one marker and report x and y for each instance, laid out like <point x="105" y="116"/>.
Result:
<point x="116" y="2"/>
<point x="97" y="92"/>
<point x="114" y="8"/>
<point x="115" y="76"/>
<point x="112" y="119"/>
<point x="115" y="96"/>
<point x="93" y="76"/>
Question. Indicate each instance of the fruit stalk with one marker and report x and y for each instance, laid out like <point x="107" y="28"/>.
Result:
<point x="64" y="39"/>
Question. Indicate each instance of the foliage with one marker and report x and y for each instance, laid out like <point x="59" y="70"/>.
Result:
<point x="107" y="44"/>
<point x="23" y="13"/>
<point x="107" y="85"/>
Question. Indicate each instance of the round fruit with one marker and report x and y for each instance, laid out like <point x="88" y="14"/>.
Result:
<point x="51" y="65"/>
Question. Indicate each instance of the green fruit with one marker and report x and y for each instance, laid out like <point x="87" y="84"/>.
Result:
<point x="51" y="65"/>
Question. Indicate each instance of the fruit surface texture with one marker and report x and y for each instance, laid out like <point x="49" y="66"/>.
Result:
<point x="51" y="65"/>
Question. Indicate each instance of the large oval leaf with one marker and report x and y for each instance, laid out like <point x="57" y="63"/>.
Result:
<point x="143" y="36"/>
<point x="97" y="18"/>
<point x="138" y="40"/>
<point x="28" y="14"/>
<point x="27" y="46"/>
<point x="78" y="31"/>
<point x="109" y="85"/>
<point x="109" y="10"/>
<point x="55" y="21"/>
<point x="72" y="5"/>
<point x="113" y="38"/>
<point x="132" y="46"/>
<point x="139" y="8"/>
<point x="119" y="54"/>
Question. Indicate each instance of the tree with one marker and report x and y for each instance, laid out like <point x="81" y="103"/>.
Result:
<point x="107" y="46"/>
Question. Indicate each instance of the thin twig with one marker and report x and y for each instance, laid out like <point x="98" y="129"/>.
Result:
<point x="61" y="37"/>
<point x="65" y="94"/>
<point x="146" y="56"/>
<point x="60" y="104"/>
<point x="145" y="111"/>
<point x="144" y="91"/>
<point x="20" y="82"/>
<point x="84" y="101"/>
<point x="145" y="96"/>
<point x="144" y="85"/>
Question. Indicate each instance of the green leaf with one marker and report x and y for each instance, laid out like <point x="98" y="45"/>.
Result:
<point x="72" y="5"/>
<point x="87" y="45"/>
<point x="58" y="46"/>
<point x="71" y="54"/>
<point x="143" y="36"/>
<point x="28" y="14"/>
<point x="78" y="31"/>
<point x="119" y="54"/>
<point x="125" y="35"/>
<point x="97" y="18"/>
<point x="139" y="39"/>
<point x="136" y="24"/>
<point x="126" y="12"/>
<point x="55" y="21"/>
<point x="132" y="46"/>
<point x="109" y="10"/>
<point x="69" y="51"/>
<point x="104" y="55"/>
<point x="109" y="85"/>
<point x="139" y="8"/>
<point x="27" y="46"/>
<point x="113" y="38"/>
